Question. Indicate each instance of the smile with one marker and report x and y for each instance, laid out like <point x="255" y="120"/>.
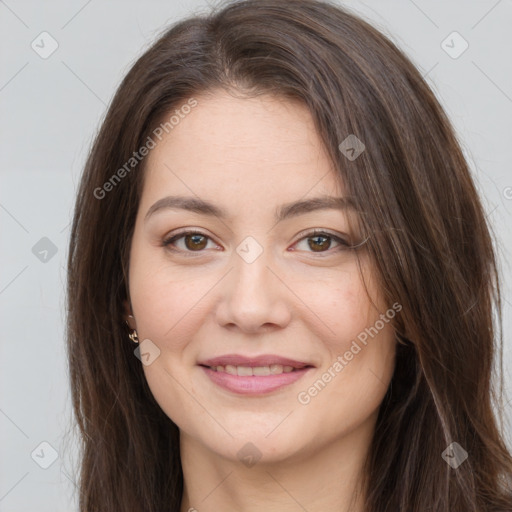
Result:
<point x="257" y="380"/>
<point x="245" y="371"/>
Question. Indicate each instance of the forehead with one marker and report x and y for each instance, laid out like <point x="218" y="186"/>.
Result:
<point x="250" y="149"/>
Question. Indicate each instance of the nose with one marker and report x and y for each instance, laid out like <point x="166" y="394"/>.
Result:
<point x="253" y="297"/>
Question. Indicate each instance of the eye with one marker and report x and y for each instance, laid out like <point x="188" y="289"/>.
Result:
<point x="195" y="241"/>
<point x="320" y="241"/>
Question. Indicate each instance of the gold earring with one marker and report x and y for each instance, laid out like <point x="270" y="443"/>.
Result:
<point x="133" y="336"/>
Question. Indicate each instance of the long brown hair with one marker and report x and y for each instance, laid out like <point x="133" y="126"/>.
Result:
<point x="428" y="240"/>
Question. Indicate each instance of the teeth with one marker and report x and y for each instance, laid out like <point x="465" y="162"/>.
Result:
<point x="229" y="369"/>
<point x="245" y="371"/>
<point x="261" y="370"/>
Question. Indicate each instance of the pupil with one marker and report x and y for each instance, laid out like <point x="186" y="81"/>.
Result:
<point x="196" y="244"/>
<point x="325" y="245"/>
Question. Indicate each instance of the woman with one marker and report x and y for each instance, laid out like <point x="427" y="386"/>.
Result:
<point x="281" y="280"/>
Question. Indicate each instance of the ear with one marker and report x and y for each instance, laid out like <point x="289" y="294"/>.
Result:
<point x="128" y="315"/>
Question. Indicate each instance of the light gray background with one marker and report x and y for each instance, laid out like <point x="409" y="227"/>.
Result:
<point x="52" y="107"/>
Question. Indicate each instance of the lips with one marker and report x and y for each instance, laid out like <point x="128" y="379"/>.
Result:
<point x="251" y="362"/>
<point x="254" y="375"/>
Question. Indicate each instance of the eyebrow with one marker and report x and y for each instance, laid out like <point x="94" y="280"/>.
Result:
<point x="285" y="211"/>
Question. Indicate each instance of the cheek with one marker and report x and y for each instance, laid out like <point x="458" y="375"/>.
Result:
<point x="361" y="347"/>
<point x="348" y="390"/>
<point x="166" y="302"/>
<point x="341" y="308"/>
<point x="167" y="311"/>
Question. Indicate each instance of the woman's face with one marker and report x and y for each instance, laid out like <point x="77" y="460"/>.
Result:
<point x="255" y="287"/>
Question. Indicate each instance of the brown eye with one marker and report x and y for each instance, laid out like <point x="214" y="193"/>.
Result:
<point x="194" y="241"/>
<point x="321" y="242"/>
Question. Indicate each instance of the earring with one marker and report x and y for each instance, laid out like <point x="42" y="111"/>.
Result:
<point x="133" y="336"/>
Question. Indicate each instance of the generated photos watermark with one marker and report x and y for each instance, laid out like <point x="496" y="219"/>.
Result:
<point x="304" y="397"/>
<point x="143" y="151"/>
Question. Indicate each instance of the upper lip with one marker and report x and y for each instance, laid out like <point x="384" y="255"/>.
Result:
<point x="263" y="360"/>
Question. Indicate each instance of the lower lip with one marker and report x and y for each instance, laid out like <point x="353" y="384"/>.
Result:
<point x="254" y="384"/>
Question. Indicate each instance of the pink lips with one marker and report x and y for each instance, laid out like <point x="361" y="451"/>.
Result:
<point x="263" y="360"/>
<point x="254" y="384"/>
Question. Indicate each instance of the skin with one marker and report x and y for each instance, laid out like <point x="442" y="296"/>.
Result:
<point x="251" y="156"/>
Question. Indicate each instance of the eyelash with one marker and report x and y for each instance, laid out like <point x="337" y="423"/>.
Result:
<point x="344" y="244"/>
